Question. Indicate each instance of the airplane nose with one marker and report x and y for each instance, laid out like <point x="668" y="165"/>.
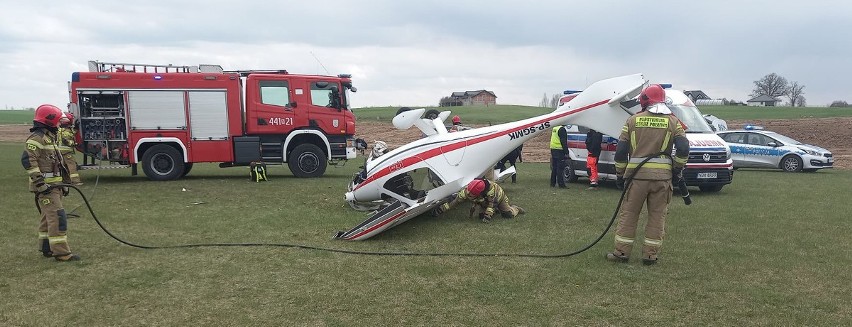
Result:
<point x="349" y="196"/>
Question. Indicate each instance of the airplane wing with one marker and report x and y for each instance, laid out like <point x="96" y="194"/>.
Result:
<point x="398" y="212"/>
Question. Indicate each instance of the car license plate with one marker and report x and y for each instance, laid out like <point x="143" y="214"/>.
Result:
<point x="706" y="175"/>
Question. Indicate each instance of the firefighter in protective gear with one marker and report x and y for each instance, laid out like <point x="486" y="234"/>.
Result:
<point x="650" y="133"/>
<point x="45" y="166"/>
<point x="485" y="195"/>
<point x="558" y="156"/>
<point x="457" y="125"/>
<point x="67" y="145"/>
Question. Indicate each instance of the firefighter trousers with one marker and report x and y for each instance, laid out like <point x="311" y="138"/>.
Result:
<point x="71" y="163"/>
<point x="506" y="210"/>
<point x="52" y="230"/>
<point x="657" y="194"/>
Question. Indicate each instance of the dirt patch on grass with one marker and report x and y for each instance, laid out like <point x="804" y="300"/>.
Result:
<point x="14" y="133"/>
<point x="834" y="134"/>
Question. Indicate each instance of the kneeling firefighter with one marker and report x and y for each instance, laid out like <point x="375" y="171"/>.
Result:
<point x="650" y="133"/>
<point x="485" y="195"/>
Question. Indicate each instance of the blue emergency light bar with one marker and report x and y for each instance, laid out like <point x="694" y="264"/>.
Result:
<point x="666" y="85"/>
<point x="566" y="92"/>
<point x="750" y="127"/>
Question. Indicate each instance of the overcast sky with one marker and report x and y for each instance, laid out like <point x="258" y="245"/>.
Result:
<point x="414" y="52"/>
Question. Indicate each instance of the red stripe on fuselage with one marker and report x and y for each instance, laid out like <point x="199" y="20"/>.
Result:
<point x="376" y="226"/>
<point x="411" y="160"/>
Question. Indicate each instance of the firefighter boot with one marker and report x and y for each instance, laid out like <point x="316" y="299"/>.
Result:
<point x="649" y="261"/>
<point x="68" y="257"/>
<point x="617" y="257"/>
<point x="45" y="249"/>
<point x="521" y="211"/>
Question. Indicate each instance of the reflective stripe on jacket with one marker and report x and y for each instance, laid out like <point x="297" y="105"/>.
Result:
<point x="556" y="142"/>
<point x="649" y="135"/>
<point x="42" y="160"/>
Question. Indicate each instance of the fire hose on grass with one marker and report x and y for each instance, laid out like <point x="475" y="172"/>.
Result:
<point x="681" y="186"/>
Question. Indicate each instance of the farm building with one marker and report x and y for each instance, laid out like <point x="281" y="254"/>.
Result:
<point x="469" y="98"/>
<point x="763" y="101"/>
<point x="696" y="95"/>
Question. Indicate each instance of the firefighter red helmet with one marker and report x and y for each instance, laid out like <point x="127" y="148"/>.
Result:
<point x="65" y="120"/>
<point x="651" y="95"/>
<point x="475" y="187"/>
<point x="456" y="120"/>
<point x="48" y="114"/>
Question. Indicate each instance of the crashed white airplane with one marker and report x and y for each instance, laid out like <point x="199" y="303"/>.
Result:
<point x="419" y="176"/>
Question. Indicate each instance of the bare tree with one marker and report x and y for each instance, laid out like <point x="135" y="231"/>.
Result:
<point x="794" y="93"/>
<point x="544" y="101"/>
<point x="773" y="85"/>
<point x="554" y="100"/>
<point x="801" y="101"/>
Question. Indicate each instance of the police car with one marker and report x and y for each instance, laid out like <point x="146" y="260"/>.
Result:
<point x="754" y="147"/>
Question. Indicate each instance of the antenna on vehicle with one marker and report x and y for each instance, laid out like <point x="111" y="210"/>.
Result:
<point x="318" y="61"/>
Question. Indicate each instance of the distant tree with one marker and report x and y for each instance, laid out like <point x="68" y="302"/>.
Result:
<point x="554" y="100"/>
<point x="801" y="101"/>
<point x="773" y="85"/>
<point x="544" y="101"/>
<point x="838" y="104"/>
<point x="794" y="93"/>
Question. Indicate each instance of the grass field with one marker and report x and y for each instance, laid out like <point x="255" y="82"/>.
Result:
<point x="16" y="117"/>
<point x="771" y="249"/>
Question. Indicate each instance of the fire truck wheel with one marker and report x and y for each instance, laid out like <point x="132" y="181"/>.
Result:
<point x="307" y="160"/>
<point x="162" y="163"/>
<point x="186" y="168"/>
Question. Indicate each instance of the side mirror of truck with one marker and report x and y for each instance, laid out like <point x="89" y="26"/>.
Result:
<point x="291" y="105"/>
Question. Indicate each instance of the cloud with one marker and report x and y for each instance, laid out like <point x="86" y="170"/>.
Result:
<point x="414" y="52"/>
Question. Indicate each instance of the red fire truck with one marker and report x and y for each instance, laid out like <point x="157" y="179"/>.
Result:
<point x="166" y="118"/>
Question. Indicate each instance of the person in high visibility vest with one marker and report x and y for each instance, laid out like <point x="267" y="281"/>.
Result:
<point x="593" y="145"/>
<point x="486" y="195"/>
<point x="650" y="133"/>
<point x="67" y="146"/>
<point x="46" y="168"/>
<point x="558" y="156"/>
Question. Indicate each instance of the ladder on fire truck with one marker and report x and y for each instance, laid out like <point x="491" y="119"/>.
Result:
<point x="116" y="67"/>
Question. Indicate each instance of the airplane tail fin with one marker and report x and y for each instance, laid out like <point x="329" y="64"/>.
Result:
<point x="432" y="124"/>
<point x="607" y="114"/>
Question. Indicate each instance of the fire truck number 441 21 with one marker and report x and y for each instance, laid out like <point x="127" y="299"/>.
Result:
<point x="288" y="121"/>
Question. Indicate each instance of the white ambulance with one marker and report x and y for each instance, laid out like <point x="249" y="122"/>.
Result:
<point x="709" y="167"/>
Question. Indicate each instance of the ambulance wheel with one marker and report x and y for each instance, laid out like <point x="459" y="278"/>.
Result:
<point x="307" y="160"/>
<point x="710" y="188"/>
<point x="162" y="163"/>
<point x="186" y="168"/>
<point x="570" y="176"/>
<point x="791" y="164"/>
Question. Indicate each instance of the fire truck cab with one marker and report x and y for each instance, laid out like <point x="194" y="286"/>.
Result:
<point x="167" y="118"/>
